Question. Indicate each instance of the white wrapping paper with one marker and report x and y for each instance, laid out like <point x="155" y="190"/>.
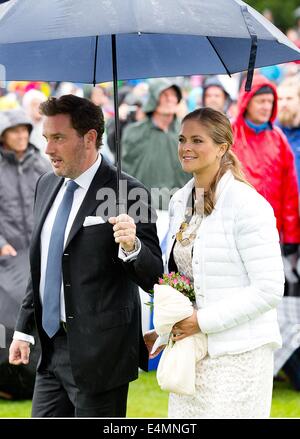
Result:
<point x="176" y="369"/>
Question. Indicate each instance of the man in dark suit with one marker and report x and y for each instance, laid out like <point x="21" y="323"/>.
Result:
<point x="82" y="293"/>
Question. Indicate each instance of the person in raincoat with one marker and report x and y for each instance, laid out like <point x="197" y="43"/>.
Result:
<point x="21" y="164"/>
<point x="149" y="147"/>
<point x="215" y="95"/>
<point x="267" y="157"/>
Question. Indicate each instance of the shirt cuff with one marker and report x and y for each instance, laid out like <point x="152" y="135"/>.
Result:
<point x="127" y="257"/>
<point x="23" y="337"/>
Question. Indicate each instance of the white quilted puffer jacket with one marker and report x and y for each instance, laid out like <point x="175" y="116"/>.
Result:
<point x="237" y="267"/>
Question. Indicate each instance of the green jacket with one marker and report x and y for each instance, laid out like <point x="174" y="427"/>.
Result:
<point x="150" y="155"/>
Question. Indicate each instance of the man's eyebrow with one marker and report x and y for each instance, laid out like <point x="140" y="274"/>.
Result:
<point x="53" y="134"/>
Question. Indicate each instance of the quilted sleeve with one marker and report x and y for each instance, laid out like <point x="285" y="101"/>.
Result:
<point x="257" y="241"/>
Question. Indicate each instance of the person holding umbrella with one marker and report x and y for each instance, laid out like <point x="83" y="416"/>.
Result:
<point x="226" y="243"/>
<point x="85" y="266"/>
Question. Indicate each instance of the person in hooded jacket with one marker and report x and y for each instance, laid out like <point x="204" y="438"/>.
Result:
<point x="149" y="147"/>
<point x="215" y="95"/>
<point x="21" y="164"/>
<point x="267" y="157"/>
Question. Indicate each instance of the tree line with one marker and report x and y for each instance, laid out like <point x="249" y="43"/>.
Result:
<point x="283" y="11"/>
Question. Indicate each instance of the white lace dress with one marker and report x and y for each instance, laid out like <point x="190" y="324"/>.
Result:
<point x="229" y="386"/>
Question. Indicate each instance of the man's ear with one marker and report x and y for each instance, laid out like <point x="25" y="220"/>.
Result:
<point x="90" y="138"/>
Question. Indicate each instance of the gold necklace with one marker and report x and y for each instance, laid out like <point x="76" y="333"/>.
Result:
<point x="190" y="211"/>
<point x="187" y="240"/>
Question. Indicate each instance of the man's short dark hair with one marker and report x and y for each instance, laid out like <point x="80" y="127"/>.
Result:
<point x="84" y="114"/>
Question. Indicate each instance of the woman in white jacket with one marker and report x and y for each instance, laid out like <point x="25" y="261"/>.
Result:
<point x="227" y="243"/>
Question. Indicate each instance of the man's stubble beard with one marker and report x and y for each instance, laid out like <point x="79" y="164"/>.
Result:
<point x="79" y="158"/>
<point x="288" y="118"/>
<point x="73" y="169"/>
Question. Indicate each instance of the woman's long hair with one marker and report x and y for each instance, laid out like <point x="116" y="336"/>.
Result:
<point x="219" y="129"/>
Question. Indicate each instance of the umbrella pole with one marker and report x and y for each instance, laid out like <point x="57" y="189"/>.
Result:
<point x="253" y="49"/>
<point x="120" y="203"/>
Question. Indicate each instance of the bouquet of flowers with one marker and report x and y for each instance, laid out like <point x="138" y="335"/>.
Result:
<point x="173" y="300"/>
<point x="178" y="281"/>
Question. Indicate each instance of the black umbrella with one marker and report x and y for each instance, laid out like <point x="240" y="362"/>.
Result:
<point x="102" y="40"/>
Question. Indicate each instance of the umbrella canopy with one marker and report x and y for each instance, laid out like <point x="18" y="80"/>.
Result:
<point x="101" y="40"/>
<point x="70" y="40"/>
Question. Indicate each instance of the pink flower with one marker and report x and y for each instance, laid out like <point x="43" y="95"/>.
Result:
<point x="180" y="282"/>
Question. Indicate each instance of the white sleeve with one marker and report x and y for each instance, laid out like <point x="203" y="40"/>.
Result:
<point x="23" y="337"/>
<point x="257" y="242"/>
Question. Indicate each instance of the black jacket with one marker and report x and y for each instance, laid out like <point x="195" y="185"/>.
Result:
<point x="103" y="312"/>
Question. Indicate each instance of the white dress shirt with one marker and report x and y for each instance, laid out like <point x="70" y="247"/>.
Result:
<point x="83" y="181"/>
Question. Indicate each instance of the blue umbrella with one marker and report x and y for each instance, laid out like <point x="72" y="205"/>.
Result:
<point x="96" y="41"/>
<point x="70" y="40"/>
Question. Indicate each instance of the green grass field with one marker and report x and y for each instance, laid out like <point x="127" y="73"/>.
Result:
<point x="146" y="400"/>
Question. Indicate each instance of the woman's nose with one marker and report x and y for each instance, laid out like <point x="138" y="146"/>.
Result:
<point x="186" y="146"/>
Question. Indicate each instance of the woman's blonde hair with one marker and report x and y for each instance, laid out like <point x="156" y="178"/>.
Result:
<point x="219" y="130"/>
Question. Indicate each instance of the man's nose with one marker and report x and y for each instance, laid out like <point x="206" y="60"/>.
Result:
<point x="49" y="148"/>
<point x="267" y="107"/>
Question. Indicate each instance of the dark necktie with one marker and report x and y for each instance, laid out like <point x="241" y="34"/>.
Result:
<point x="53" y="278"/>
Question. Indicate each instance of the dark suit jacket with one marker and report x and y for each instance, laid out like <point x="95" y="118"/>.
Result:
<point x="103" y="313"/>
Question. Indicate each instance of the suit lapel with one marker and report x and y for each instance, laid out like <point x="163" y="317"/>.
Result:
<point x="46" y="205"/>
<point x="45" y="201"/>
<point x="104" y="176"/>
